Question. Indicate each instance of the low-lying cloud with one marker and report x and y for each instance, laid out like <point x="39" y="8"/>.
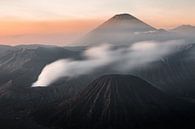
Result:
<point x="123" y="58"/>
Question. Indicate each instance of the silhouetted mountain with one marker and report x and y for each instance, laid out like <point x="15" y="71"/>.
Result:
<point x="184" y="28"/>
<point x="186" y="32"/>
<point x="121" y="102"/>
<point x="125" y="29"/>
<point x="118" y="29"/>
<point x="124" y="23"/>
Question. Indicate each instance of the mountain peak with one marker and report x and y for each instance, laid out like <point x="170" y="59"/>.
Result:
<point x="112" y="83"/>
<point x="185" y="27"/>
<point x="117" y="101"/>
<point x="118" y="29"/>
<point x="124" y="16"/>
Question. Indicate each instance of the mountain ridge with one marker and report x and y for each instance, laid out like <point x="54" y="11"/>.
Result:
<point x="119" y="102"/>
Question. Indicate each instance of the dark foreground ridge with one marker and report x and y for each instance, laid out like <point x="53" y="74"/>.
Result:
<point x="123" y="102"/>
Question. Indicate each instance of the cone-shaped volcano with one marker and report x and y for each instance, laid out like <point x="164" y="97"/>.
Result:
<point x="119" y="102"/>
<point x="124" y="23"/>
<point x="118" y="29"/>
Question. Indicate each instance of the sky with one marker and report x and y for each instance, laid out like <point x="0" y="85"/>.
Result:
<point x="63" y="21"/>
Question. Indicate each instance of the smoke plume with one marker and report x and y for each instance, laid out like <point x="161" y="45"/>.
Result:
<point x="123" y="58"/>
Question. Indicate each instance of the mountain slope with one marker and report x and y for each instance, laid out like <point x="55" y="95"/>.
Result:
<point x="118" y="29"/>
<point x="120" y="102"/>
<point x="28" y="62"/>
<point x="184" y="29"/>
<point x="174" y="74"/>
<point x="186" y="32"/>
<point x="124" y="22"/>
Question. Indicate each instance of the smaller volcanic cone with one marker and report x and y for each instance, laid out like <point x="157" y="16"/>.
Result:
<point x="120" y="102"/>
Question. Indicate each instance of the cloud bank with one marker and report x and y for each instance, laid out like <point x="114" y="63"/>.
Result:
<point x="123" y="58"/>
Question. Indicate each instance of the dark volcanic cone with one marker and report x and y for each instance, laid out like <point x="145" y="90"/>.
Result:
<point x="120" y="101"/>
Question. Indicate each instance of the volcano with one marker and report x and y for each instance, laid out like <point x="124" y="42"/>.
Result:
<point x="119" y="29"/>
<point x="120" y="102"/>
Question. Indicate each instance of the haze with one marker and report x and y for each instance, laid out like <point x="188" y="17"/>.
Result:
<point x="61" y="21"/>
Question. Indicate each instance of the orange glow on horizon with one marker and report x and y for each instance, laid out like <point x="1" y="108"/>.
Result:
<point x="46" y="27"/>
<point x="51" y="31"/>
<point x="17" y="27"/>
<point x="17" y="32"/>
